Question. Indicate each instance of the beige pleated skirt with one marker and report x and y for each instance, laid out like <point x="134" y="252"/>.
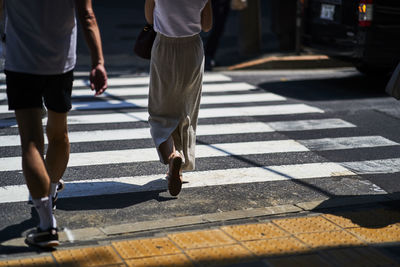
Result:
<point x="176" y="77"/>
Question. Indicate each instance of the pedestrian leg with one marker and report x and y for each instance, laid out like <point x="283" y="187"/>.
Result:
<point x="36" y="176"/>
<point x="57" y="155"/>
<point x="174" y="159"/>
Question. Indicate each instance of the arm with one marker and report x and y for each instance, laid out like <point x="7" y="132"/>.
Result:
<point x="148" y="11"/>
<point x="206" y="17"/>
<point x="98" y="74"/>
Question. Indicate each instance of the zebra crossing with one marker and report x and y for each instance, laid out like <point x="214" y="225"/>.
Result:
<point x="228" y="109"/>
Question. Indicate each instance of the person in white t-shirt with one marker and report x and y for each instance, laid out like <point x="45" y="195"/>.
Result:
<point x="40" y="39"/>
<point x="176" y="77"/>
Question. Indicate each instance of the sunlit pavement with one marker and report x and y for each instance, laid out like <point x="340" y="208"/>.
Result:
<point x="359" y="236"/>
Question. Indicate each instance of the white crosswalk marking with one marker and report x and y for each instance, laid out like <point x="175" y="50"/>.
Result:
<point x="143" y="102"/>
<point x="145" y="80"/>
<point x="202" y="130"/>
<point x="144" y="90"/>
<point x="149" y="154"/>
<point x="204" y="113"/>
<point x="195" y="179"/>
<point x="133" y="184"/>
<point x="213" y="150"/>
<point x="128" y="92"/>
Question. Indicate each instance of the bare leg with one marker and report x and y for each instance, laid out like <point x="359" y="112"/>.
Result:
<point x="32" y="143"/>
<point x="169" y="154"/>
<point x="167" y="149"/>
<point x="57" y="155"/>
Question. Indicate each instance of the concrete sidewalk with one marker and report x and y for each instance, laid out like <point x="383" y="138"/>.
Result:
<point x="348" y="232"/>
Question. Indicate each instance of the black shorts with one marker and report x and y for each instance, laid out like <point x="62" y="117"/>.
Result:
<point x="29" y="90"/>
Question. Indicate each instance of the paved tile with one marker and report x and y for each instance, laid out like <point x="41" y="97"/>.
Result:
<point x="312" y="260"/>
<point x="178" y="260"/>
<point x="339" y="239"/>
<point x="145" y="248"/>
<point x="219" y="256"/>
<point x="389" y="233"/>
<point x="201" y="239"/>
<point x="42" y="261"/>
<point x="364" y="218"/>
<point x="306" y="225"/>
<point x="92" y="256"/>
<point x="329" y="239"/>
<point x="254" y="231"/>
<point x="279" y="246"/>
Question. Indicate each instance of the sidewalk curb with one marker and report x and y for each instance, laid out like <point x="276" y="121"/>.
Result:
<point x="103" y="235"/>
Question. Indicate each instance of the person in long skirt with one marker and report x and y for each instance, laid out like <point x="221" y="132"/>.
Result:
<point x="176" y="77"/>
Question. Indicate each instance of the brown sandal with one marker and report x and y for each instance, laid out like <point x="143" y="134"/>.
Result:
<point x="174" y="176"/>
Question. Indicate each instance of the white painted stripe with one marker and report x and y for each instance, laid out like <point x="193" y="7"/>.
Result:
<point x="126" y="81"/>
<point x="150" y="154"/>
<point x="302" y="125"/>
<point x="258" y="111"/>
<point x="143" y="102"/>
<point x="212" y="150"/>
<point x="8" y="123"/>
<point x="121" y="185"/>
<point x="203" y="113"/>
<point x="3" y="96"/>
<point x="374" y="166"/>
<point x="69" y="234"/>
<point x="14" y="193"/>
<point x="208" y="129"/>
<point x="347" y="143"/>
<point x="144" y="90"/>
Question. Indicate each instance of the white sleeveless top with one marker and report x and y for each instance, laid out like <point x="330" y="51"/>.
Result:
<point x="40" y="36"/>
<point x="178" y="18"/>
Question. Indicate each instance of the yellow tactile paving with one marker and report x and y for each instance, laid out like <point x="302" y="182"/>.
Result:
<point x="145" y="248"/>
<point x="306" y="225"/>
<point x="389" y="233"/>
<point x="200" y="239"/>
<point x="329" y="239"/>
<point x="341" y="219"/>
<point x="178" y="260"/>
<point x="94" y="256"/>
<point x="306" y="241"/>
<point x="279" y="246"/>
<point x="362" y="256"/>
<point x="254" y="231"/>
<point x="43" y="261"/>
<point x="312" y="260"/>
<point x="218" y="256"/>
<point x="377" y="217"/>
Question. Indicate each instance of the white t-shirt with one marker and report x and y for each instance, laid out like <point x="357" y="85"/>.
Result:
<point x="178" y="18"/>
<point x="40" y="36"/>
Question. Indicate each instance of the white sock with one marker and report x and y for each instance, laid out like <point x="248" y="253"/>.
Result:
<point x="45" y="211"/>
<point x="53" y="189"/>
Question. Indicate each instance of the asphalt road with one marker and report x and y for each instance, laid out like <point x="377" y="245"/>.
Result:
<point x="265" y="139"/>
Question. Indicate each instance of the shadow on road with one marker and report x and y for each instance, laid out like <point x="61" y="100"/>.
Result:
<point x="354" y="87"/>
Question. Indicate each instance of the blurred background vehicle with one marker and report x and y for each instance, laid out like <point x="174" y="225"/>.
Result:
<point x="365" y="32"/>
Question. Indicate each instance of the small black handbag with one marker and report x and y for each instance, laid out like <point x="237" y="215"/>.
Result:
<point x="144" y="42"/>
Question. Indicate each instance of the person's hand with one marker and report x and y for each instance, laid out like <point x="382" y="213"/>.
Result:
<point x="98" y="79"/>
